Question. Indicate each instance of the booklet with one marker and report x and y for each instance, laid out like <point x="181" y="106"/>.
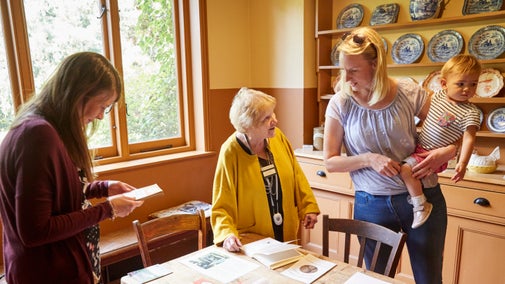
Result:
<point x="308" y="269"/>
<point x="144" y="192"/>
<point x="149" y="273"/>
<point x="272" y="253"/>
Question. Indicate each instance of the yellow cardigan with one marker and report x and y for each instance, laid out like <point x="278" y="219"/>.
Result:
<point x="239" y="200"/>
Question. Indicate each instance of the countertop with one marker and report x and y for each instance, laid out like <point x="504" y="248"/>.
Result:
<point x="497" y="177"/>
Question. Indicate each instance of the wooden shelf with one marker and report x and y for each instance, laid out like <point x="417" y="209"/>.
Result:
<point x="420" y="65"/>
<point x="493" y="100"/>
<point x="490" y="134"/>
<point x="423" y="23"/>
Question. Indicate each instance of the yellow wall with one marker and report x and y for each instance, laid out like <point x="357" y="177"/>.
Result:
<point x="266" y="45"/>
<point x="261" y="43"/>
<point x="229" y="42"/>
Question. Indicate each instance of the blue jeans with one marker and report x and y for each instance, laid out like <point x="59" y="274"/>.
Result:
<point x="425" y="244"/>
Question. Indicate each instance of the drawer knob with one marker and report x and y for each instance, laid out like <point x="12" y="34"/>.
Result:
<point x="481" y="201"/>
<point x="321" y="173"/>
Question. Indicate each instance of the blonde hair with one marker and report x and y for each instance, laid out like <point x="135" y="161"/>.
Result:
<point x="461" y="64"/>
<point x="367" y="42"/>
<point x="248" y="108"/>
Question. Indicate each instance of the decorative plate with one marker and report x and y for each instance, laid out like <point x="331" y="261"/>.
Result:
<point x="479" y="6"/>
<point x="335" y="53"/>
<point x="490" y="83"/>
<point x="488" y="42"/>
<point x="350" y="17"/>
<point x="425" y="9"/>
<point x="496" y="120"/>
<point x="432" y="82"/>
<point x="407" y="49"/>
<point x="444" y="45"/>
<point x="384" y="14"/>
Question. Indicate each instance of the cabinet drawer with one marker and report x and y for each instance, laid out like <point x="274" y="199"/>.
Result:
<point x="465" y="199"/>
<point x="317" y="174"/>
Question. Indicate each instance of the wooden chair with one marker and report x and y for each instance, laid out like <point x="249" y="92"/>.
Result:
<point x="366" y="231"/>
<point x="171" y="224"/>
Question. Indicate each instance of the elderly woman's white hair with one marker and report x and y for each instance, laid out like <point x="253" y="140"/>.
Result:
<point x="248" y="107"/>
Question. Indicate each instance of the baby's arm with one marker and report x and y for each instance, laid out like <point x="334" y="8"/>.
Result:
<point x="465" y="153"/>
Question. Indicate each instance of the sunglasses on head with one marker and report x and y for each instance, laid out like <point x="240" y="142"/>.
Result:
<point x="358" y="39"/>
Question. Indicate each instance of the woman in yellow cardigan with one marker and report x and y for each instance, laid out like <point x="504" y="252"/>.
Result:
<point x="259" y="186"/>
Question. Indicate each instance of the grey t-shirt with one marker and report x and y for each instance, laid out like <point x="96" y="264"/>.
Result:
<point x="390" y="131"/>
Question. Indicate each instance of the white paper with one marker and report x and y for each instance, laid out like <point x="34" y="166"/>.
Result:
<point x="266" y="246"/>
<point x="308" y="269"/>
<point x="149" y="273"/>
<point x="219" y="264"/>
<point x="360" y="278"/>
<point x="144" y="192"/>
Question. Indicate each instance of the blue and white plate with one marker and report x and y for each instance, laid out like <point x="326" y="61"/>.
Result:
<point x="444" y="45"/>
<point x="384" y="14"/>
<point x="425" y="9"/>
<point x="496" y="120"/>
<point x="488" y="42"/>
<point x="350" y="17"/>
<point x="407" y="49"/>
<point x="334" y="53"/>
<point x="479" y="6"/>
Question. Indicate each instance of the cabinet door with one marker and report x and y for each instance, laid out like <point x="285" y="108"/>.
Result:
<point x="474" y="252"/>
<point x="336" y="206"/>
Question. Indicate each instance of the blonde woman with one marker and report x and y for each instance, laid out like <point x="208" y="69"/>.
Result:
<point x="373" y="118"/>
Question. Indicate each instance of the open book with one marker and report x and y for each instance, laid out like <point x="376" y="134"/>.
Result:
<point x="272" y="253"/>
<point x="144" y="192"/>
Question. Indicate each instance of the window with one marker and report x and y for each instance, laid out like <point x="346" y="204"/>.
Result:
<point x="144" y="40"/>
<point x="6" y="106"/>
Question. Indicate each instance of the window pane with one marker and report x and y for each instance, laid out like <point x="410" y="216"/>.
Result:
<point x="58" y="28"/>
<point x="149" y="62"/>
<point x="6" y="105"/>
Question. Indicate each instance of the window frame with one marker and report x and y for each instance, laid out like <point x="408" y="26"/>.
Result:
<point x="22" y="82"/>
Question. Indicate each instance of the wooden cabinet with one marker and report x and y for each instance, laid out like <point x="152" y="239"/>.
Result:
<point x="327" y="35"/>
<point x="334" y="195"/>
<point x="475" y="241"/>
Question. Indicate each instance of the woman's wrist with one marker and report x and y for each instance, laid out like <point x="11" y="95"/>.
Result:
<point x="113" y="211"/>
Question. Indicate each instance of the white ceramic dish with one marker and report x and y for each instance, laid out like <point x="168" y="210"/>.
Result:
<point x="335" y="53"/>
<point x="444" y="45"/>
<point x="385" y="14"/>
<point x="407" y="49"/>
<point x="490" y="83"/>
<point x="432" y="82"/>
<point x="496" y="120"/>
<point x="479" y="6"/>
<point x="488" y="42"/>
<point x="350" y="17"/>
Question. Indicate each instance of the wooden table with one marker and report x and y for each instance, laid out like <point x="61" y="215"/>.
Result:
<point x="182" y="273"/>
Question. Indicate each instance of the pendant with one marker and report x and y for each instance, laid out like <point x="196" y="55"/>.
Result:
<point x="278" y="219"/>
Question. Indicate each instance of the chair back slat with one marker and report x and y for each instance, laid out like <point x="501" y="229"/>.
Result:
<point x="386" y="241"/>
<point x="169" y="225"/>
